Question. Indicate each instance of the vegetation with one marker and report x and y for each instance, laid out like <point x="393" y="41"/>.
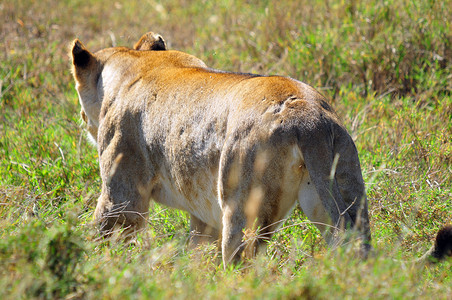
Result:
<point x="386" y="68"/>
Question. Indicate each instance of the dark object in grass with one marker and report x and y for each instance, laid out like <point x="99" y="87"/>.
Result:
<point x="443" y="245"/>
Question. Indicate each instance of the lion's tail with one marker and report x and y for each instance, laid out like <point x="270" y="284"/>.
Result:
<point x="332" y="161"/>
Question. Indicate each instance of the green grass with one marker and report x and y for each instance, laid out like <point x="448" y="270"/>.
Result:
<point x="384" y="65"/>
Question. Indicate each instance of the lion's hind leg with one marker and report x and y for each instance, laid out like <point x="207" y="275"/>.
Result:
<point x="256" y="192"/>
<point x="201" y="232"/>
<point x="249" y="220"/>
<point x="243" y="235"/>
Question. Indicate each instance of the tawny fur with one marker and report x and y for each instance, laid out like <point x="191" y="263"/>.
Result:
<point x="236" y="151"/>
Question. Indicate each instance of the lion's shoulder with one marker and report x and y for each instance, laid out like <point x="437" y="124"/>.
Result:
<point x="143" y="61"/>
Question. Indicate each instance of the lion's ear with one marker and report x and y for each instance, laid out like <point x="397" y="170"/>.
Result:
<point x="150" y="41"/>
<point x="81" y="57"/>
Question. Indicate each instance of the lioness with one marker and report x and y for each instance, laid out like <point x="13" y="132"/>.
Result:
<point x="236" y="151"/>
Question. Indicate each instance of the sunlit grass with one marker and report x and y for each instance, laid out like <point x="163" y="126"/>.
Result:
<point x="385" y="66"/>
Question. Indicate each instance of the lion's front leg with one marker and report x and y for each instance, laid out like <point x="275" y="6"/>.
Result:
<point x="126" y="186"/>
<point x="124" y="216"/>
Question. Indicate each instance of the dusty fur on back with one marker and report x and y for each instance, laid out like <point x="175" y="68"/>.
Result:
<point x="236" y="151"/>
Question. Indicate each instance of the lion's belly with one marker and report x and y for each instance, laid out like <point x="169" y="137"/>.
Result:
<point x="197" y="196"/>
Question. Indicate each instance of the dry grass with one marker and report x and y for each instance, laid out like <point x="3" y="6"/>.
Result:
<point x="386" y="68"/>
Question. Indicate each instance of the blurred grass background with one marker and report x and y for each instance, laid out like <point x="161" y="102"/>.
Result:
<point x="384" y="65"/>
